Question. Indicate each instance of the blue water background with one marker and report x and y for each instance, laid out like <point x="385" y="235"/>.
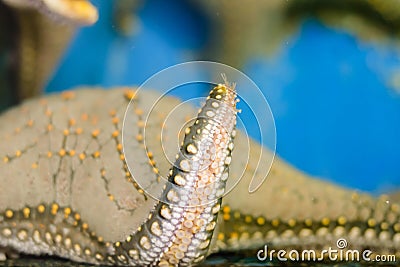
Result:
<point x="335" y="115"/>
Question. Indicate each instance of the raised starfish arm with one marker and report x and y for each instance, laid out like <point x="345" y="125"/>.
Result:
<point x="179" y="229"/>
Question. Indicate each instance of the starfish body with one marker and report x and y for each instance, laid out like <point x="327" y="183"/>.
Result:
<point x="66" y="187"/>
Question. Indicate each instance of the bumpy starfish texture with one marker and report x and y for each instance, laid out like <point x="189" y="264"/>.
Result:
<point x="66" y="188"/>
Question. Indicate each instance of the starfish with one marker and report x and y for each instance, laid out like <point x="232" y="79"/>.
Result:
<point x="67" y="186"/>
<point x="35" y="35"/>
<point x="79" y="12"/>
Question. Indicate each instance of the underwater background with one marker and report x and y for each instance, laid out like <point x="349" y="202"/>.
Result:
<point x="334" y="91"/>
